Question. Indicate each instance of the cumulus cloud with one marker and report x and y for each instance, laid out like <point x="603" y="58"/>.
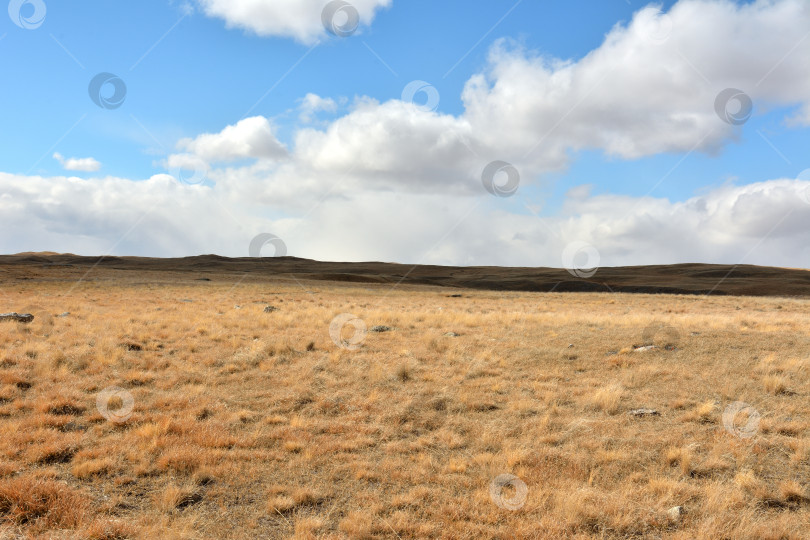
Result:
<point x="249" y="138"/>
<point x="392" y="145"/>
<point x="297" y="19"/>
<point x="649" y="88"/>
<point x="77" y="164"/>
<point x="312" y="104"/>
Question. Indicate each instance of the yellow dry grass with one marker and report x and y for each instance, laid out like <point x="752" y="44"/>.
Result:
<point x="246" y="424"/>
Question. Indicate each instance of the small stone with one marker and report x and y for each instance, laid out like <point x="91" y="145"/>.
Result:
<point x="270" y="309"/>
<point x="380" y="328"/>
<point x="187" y="300"/>
<point x="675" y="513"/>
<point x="237" y="306"/>
<point x="65" y="314"/>
<point x="570" y="345"/>
<point x="643" y="348"/>
<point x="18" y="317"/>
<point x="644" y="412"/>
<point x="451" y="334"/>
<point x="454" y="296"/>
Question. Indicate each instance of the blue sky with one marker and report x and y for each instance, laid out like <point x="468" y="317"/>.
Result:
<point x="196" y="68"/>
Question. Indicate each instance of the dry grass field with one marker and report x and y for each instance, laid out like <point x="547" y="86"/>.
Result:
<point x="157" y="408"/>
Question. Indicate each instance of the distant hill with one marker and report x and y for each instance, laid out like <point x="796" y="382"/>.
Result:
<point x="698" y="279"/>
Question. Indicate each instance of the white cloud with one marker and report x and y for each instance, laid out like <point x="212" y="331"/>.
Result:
<point x="77" y="164"/>
<point x="762" y="223"/>
<point x="252" y="137"/>
<point x="313" y="103"/>
<point x="392" y="145"/>
<point x="298" y="19"/>
<point x="635" y="95"/>
<point x="156" y="216"/>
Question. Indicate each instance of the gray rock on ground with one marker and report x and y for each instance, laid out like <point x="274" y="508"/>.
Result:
<point x="675" y="513"/>
<point x="644" y="412"/>
<point x="380" y="328"/>
<point x="18" y="317"/>
<point x="270" y="309"/>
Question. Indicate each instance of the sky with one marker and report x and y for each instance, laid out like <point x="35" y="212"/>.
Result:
<point x="571" y="134"/>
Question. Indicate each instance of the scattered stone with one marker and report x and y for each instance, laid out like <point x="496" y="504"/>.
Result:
<point x="570" y="345"/>
<point x="451" y="334"/>
<point x="611" y="353"/>
<point x="72" y="427"/>
<point x="132" y="347"/>
<point x="270" y="309"/>
<point x="187" y="300"/>
<point x="18" y="317"/>
<point x="675" y="513"/>
<point x="65" y="314"/>
<point x="237" y="306"/>
<point x="380" y="328"/>
<point x="454" y="296"/>
<point x="644" y="412"/>
<point x="188" y="499"/>
<point x="643" y="348"/>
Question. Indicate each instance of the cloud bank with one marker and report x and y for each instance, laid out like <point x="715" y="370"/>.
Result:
<point x="397" y="181"/>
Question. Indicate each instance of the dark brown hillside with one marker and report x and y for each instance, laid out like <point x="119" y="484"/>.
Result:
<point x="697" y="279"/>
